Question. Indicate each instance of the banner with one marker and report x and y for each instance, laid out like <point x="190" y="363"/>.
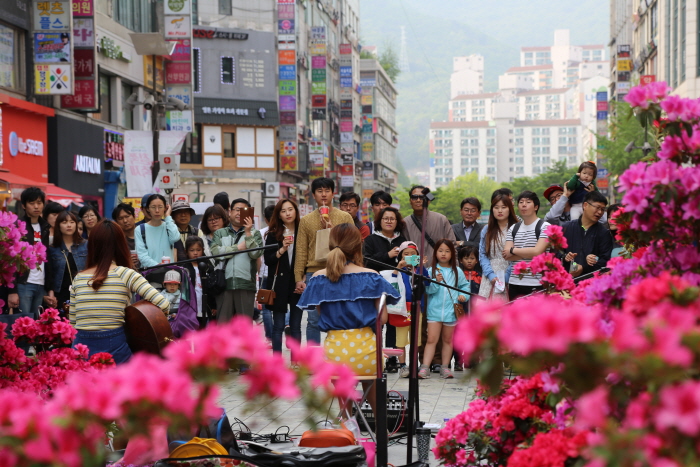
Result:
<point x="138" y="162"/>
<point x="170" y="142"/>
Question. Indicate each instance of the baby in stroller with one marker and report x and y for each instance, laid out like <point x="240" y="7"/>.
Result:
<point x="171" y="282"/>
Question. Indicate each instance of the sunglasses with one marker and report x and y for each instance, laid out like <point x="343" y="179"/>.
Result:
<point x="417" y="196"/>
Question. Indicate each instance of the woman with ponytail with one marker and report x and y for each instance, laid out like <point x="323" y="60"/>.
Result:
<point x="102" y="291"/>
<point x="346" y="296"/>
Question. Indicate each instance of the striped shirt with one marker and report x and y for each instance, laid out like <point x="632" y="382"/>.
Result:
<point x="526" y="238"/>
<point x="103" y="309"/>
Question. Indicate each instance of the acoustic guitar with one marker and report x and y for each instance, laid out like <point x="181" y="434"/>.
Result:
<point x="147" y="329"/>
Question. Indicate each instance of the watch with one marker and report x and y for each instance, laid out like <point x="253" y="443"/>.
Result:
<point x="511" y="251"/>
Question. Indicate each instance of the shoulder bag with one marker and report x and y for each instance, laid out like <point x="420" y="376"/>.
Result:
<point x="265" y="296"/>
<point x="458" y="308"/>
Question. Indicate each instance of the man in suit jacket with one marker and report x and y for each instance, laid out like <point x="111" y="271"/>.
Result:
<point x="469" y="230"/>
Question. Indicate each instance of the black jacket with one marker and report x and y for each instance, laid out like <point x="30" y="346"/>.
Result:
<point x="377" y="247"/>
<point x="45" y="232"/>
<point x="208" y="299"/>
<point x="474" y="235"/>
<point x="594" y="241"/>
<point x="285" y="283"/>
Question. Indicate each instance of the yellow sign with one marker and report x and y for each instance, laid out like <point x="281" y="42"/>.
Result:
<point x="53" y="79"/>
<point x="366" y="100"/>
<point x="148" y="72"/>
<point x="624" y="65"/>
<point x="367" y="147"/>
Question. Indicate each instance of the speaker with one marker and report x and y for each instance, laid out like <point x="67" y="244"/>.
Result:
<point x="396" y="419"/>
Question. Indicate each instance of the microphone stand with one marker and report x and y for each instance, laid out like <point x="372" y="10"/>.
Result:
<point x="185" y="261"/>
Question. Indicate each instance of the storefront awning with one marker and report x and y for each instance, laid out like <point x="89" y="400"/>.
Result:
<point x="53" y="193"/>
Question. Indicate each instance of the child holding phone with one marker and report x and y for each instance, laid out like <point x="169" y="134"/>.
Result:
<point x="441" y="315"/>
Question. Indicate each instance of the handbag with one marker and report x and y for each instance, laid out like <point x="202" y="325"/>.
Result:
<point x="458" y="308"/>
<point x="323" y="238"/>
<point x="265" y="296"/>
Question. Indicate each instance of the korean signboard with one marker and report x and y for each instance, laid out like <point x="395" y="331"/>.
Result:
<point x="53" y="46"/>
<point x="178" y="70"/>
<point x="85" y="89"/>
<point x="287" y="84"/>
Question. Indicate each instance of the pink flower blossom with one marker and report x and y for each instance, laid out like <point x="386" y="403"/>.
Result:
<point x="592" y="409"/>
<point x="555" y="235"/>
<point x="679" y="408"/>
<point x="643" y="96"/>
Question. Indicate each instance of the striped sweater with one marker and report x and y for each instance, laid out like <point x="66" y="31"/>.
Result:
<point x="103" y="309"/>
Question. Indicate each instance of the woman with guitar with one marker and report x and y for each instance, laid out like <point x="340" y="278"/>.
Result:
<point x="102" y="291"/>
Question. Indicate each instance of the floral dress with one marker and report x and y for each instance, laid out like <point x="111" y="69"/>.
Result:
<point x="493" y="264"/>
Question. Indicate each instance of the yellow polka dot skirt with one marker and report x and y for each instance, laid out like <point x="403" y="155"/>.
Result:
<point x="355" y="348"/>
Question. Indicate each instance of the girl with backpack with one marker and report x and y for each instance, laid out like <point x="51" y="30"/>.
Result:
<point x="156" y="238"/>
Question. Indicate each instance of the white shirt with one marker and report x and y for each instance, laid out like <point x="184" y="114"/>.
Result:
<point x="198" y="290"/>
<point x="526" y="238"/>
<point x="38" y="274"/>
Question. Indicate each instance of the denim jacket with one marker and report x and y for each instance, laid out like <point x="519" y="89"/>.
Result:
<point x="54" y="280"/>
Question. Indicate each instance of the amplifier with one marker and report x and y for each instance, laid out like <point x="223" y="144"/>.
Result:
<point x="396" y="416"/>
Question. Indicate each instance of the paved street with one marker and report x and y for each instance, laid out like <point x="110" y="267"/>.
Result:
<point x="439" y="399"/>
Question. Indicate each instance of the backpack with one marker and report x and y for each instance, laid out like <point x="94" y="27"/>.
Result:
<point x="538" y="228"/>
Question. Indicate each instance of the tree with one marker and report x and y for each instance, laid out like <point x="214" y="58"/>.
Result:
<point x="448" y="198"/>
<point x="389" y="60"/>
<point x="624" y="128"/>
<point x="557" y="174"/>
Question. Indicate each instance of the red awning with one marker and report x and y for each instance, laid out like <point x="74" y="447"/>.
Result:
<point x="53" y="193"/>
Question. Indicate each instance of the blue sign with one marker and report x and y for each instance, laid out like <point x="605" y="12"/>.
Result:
<point x="345" y="71"/>
<point x="288" y="72"/>
<point x="602" y="115"/>
<point x="602" y="173"/>
<point x="345" y="82"/>
<point x="601" y="96"/>
<point x="432" y="162"/>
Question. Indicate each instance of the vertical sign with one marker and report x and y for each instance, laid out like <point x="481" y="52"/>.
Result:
<point x="53" y="46"/>
<point x="138" y="159"/>
<point x="178" y="67"/>
<point x="347" y="142"/>
<point x="85" y="89"/>
<point x="287" y="63"/>
<point x="317" y="46"/>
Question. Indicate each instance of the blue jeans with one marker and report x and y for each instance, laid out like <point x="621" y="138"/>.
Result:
<point x="267" y="322"/>
<point x="31" y="296"/>
<point x="112" y="341"/>
<point x="280" y="319"/>
<point x="313" y="334"/>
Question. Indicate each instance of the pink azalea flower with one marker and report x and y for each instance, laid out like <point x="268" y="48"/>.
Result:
<point x="679" y="408"/>
<point x="592" y="409"/>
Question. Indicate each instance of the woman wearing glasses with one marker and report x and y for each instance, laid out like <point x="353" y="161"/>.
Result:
<point x="90" y="217"/>
<point x="156" y="238"/>
<point x="383" y="247"/>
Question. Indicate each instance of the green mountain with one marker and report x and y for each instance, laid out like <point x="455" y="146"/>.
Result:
<point x="438" y="30"/>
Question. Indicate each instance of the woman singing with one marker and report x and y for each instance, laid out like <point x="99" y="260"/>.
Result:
<point x="102" y="291"/>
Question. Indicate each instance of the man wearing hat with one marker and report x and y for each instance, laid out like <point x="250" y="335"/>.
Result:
<point x="182" y="215"/>
<point x="558" y="196"/>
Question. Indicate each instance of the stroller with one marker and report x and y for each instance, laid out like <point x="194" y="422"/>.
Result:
<point x="186" y="318"/>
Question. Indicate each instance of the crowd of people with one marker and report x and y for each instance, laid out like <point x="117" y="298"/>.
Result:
<point x="327" y="265"/>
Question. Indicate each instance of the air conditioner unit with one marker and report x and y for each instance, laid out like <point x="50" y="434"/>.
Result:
<point x="270" y="202"/>
<point x="272" y="189"/>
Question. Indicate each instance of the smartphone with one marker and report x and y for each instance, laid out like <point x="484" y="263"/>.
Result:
<point x="247" y="213"/>
<point x="412" y="260"/>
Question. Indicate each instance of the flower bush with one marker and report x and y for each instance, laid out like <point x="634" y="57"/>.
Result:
<point x="16" y="255"/>
<point x="618" y="360"/>
<point x="55" y="408"/>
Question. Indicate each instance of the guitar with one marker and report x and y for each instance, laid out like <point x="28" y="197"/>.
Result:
<point x="147" y="329"/>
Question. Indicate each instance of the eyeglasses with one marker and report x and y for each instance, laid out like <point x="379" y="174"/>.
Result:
<point x="470" y="211"/>
<point x="348" y="206"/>
<point x="90" y="216"/>
<point x="417" y="196"/>
<point x="212" y="220"/>
<point x="389" y="220"/>
<point x="597" y="208"/>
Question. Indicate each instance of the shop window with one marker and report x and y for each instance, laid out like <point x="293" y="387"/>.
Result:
<point x="229" y="145"/>
<point x="136" y="15"/>
<point x="10" y="58"/>
<point x="105" y="99"/>
<point x="197" y="69"/>
<point x="255" y="148"/>
<point x="127" y="112"/>
<point x="228" y="70"/>
<point x="191" y="153"/>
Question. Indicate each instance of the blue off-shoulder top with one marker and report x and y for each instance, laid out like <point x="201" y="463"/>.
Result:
<point x="348" y="303"/>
